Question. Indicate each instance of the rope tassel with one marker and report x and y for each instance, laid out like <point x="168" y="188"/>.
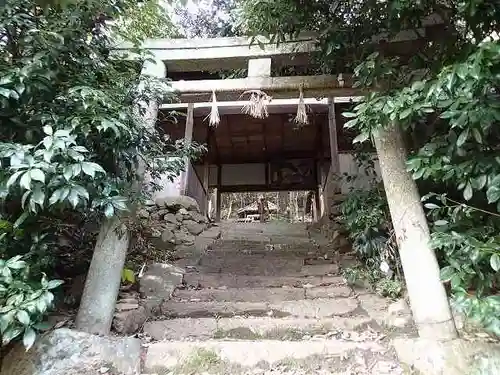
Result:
<point x="257" y="104"/>
<point x="301" y="117"/>
<point x="214" y="112"/>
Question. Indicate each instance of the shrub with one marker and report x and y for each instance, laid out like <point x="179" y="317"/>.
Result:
<point x="23" y="301"/>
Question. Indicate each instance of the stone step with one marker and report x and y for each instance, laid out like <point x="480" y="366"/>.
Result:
<point x="264" y="266"/>
<point x="260" y="294"/>
<point x="255" y="328"/>
<point x="305" y="308"/>
<point x="217" y="280"/>
<point x="330" y="356"/>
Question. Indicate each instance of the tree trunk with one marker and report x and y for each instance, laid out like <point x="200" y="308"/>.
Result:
<point x="428" y="299"/>
<point x="102" y="285"/>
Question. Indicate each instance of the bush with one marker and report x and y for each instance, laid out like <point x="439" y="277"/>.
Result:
<point x="468" y="247"/>
<point x="365" y="215"/>
<point x="23" y="301"/>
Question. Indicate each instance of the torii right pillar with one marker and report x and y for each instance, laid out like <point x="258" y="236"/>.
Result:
<point x="428" y="300"/>
<point x="331" y="184"/>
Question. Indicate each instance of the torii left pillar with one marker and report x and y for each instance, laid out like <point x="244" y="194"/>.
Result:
<point x="102" y="283"/>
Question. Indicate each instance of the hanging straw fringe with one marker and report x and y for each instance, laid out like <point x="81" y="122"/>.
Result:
<point x="257" y="104"/>
<point x="214" y="112"/>
<point x="301" y="117"/>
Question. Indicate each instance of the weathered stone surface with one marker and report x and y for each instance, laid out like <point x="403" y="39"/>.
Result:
<point x="143" y="213"/>
<point x="317" y="308"/>
<point x="250" y="327"/>
<point x="129" y="321"/>
<point x="375" y="306"/>
<point x="193" y="227"/>
<point x="242" y="281"/>
<point x="456" y="357"/>
<point x="68" y="352"/>
<point x="398" y="314"/>
<point x="241" y="294"/>
<point x="328" y="292"/>
<point x="182" y="236"/>
<point x="250" y="353"/>
<point x="160" y="280"/>
<point x="178" y="202"/>
<point x="212" y="233"/>
<point x="210" y="309"/>
<point x="198" y="217"/>
<point x="184" y="212"/>
<point x="170" y="218"/>
<point x="167" y="235"/>
<point x="320" y="270"/>
<point x="126" y="306"/>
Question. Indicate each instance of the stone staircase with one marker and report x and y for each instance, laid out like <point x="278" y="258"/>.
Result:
<point x="266" y="299"/>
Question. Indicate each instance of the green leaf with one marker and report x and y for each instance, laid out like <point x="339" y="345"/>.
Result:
<point x="447" y="273"/>
<point x="109" y="210"/>
<point x="349" y="114"/>
<point x="20" y="220"/>
<point x="351" y="123"/>
<point x="440" y="222"/>
<point x="54" y="284"/>
<point x="47" y="129"/>
<point x="477" y="135"/>
<point x="29" y="338"/>
<point x="493" y="194"/>
<point x="10" y="335"/>
<point x="463" y="137"/>
<point x="468" y="191"/>
<point x="128" y="275"/>
<point x="405" y="113"/>
<point x="495" y="262"/>
<point x="431" y="206"/>
<point x="12" y="179"/>
<point x="23" y="317"/>
<point x="25" y="181"/>
<point x="361" y="138"/>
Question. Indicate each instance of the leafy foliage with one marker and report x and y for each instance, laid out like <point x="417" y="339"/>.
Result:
<point x="210" y="18"/>
<point x="74" y="138"/>
<point x="23" y="302"/>
<point x="148" y="19"/>
<point x="443" y="89"/>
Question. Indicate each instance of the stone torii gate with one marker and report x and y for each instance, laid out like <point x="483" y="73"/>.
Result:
<point x="242" y="148"/>
<point x="185" y="60"/>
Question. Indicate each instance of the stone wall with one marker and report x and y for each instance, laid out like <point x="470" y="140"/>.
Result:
<point x="177" y="226"/>
<point x="177" y="221"/>
<point x="328" y="232"/>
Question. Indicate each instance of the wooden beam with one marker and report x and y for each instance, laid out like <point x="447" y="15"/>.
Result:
<point x="337" y="86"/>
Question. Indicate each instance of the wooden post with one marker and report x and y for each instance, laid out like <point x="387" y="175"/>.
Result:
<point x="206" y="179"/>
<point x="334" y="148"/>
<point x="332" y="186"/>
<point x="317" y="205"/>
<point x="188" y="136"/>
<point x="218" y="202"/>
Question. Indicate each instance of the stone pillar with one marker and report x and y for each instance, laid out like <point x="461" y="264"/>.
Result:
<point x="259" y="67"/>
<point x="428" y="298"/>
<point x="102" y="284"/>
